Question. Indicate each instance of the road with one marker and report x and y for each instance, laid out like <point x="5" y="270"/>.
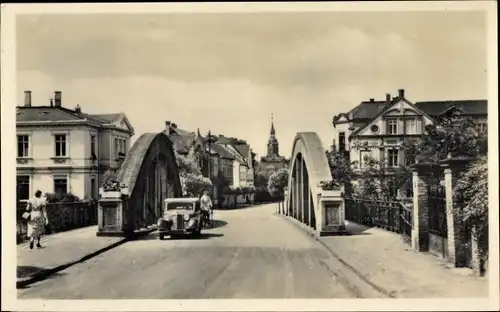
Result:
<point x="250" y="253"/>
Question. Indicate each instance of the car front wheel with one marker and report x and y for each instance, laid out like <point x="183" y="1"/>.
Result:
<point x="161" y="236"/>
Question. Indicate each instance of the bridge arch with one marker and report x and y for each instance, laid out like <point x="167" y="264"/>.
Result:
<point x="151" y="174"/>
<point x="308" y="167"/>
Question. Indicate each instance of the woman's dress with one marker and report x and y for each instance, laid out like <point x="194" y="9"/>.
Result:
<point x="36" y="224"/>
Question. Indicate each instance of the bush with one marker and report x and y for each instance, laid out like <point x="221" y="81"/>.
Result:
<point x="62" y="198"/>
<point x="277" y="182"/>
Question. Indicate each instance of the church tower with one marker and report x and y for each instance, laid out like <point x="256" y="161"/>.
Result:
<point x="272" y="144"/>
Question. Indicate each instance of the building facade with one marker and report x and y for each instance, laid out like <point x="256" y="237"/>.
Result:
<point x="272" y="161"/>
<point x="378" y="129"/>
<point x="62" y="150"/>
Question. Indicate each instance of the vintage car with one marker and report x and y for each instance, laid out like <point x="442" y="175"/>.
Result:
<point x="181" y="216"/>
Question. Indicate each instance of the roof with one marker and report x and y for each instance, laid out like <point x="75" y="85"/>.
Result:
<point x="224" y="140"/>
<point x="222" y="151"/>
<point x="106" y="117"/>
<point x="54" y="114"/>
<point x="243" y="149"/>
<point x="46" y="113"/>
<point x="181" y="139"/>
<point x="468" y="107"/>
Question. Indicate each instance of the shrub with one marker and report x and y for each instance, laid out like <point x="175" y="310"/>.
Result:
<point x="61" y="198"/>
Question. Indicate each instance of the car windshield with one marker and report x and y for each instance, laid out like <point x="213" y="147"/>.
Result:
<point x="179" y="206"/>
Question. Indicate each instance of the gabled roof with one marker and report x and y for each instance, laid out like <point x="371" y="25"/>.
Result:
<point x="222" y="151"/>
<point x="244" y="150"/>
<point x="385" y="110"/>
<point x="468" y="107"/>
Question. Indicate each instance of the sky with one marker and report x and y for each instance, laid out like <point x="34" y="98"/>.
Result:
<point x="228" y="72"/>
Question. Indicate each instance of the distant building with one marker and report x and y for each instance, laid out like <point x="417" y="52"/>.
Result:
<point x="272" y="161"/>
<point x="62" y="150"/>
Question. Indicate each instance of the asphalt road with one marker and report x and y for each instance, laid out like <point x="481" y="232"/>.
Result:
<point x="250" y="253"/>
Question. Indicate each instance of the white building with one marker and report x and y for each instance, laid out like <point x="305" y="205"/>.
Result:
<point x="62" y="150"/>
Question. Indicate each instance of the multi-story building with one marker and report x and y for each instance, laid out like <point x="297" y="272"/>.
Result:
<point x="378" y="129"/>
<point x="272" y="161"/>
<point x="62" y="150"/>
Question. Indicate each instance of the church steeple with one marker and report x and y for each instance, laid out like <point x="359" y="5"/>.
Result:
<point x="272" y="144"/>
<point x="273" y="132"/>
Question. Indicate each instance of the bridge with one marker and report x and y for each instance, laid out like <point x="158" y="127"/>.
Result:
<point x="149" y="174"/>
<point x="249" y="252"/>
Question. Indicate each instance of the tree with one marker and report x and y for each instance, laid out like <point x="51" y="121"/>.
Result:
<point x="471" y="192"/>
<point x="261" y="180"/>
<point x="192" y="180"/>
<point x="452" y="135"/>
<point x="277" y="182"/>
<point x="342" y="172"/>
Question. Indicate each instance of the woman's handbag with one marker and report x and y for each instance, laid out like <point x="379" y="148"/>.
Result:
<point x="26" y="216"/>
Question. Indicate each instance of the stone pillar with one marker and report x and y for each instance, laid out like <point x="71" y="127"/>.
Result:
<point x="420" y="217"/>
<point x="456" y="228"/>
<point x="114" y="216"/>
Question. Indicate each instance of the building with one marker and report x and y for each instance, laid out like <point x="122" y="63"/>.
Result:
<point x="228" y="156"/>
<point x="378" y="129"/>
<point x="62" y="150"/>
<point x="272" y="161"/>
<point x="243" y="170"/>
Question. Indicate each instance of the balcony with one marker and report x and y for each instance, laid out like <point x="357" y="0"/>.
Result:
<point x="60" y="159"/>
<point x="24" y="160"/>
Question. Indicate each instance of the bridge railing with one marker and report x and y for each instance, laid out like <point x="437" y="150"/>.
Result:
<point x="390" y="215"/>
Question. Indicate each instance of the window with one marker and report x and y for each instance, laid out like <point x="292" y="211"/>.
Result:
<point x="374" y="128"/>
<point x="92" y="146"/>
<point x="342" y="141"/>
<point x="61" y="185"/>
<point x="60" y="145"/>
<point x="411" y="126"/>
<point x="23" y="187"/>
<point x="22" y="146"/>
<point x="392" y="157"/>
<point x="392" y="126"/>
<point x="92" y="188"/>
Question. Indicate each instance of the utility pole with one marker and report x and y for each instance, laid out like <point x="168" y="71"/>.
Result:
<point x="210" y="159"/>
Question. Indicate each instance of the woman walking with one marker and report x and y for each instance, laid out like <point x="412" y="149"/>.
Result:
<point x="37" y="218"/>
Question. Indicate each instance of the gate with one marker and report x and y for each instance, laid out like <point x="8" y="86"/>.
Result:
<point x="437" y="219"/>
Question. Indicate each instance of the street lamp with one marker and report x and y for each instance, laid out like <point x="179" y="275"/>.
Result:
<point x="209" y="140"/>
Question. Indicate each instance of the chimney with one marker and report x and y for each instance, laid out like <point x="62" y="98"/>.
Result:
<point x="174" y="126"/>
<point x="27" y="98"/>
<point x="372" y="100"/>
<point x="401" y="93"/>
<point x="57" y="99"/>
<point x="168" y="127"/>
<point x="388" y="99"/>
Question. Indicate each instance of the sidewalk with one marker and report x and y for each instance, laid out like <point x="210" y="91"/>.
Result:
<point x="386" y="261"/>
<point x="60" y="251"/>
<point x="383" y="259"/>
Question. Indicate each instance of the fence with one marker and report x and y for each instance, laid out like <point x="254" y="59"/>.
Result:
<point x="390" y="215"/>
<point x="62" y="217"/>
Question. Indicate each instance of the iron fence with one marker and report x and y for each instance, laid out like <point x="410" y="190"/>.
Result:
<point x="390" y="215"/>
<point x="62" y="217"/>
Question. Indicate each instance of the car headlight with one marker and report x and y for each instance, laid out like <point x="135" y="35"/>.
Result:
<point x="186" y="217"/>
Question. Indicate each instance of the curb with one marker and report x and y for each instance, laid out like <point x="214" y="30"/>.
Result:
<point x="23" y="282"/>
<point x="313" y="235"/>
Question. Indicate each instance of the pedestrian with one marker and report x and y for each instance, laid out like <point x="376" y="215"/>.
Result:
<point x="206" y="205"/>
<point x="36" y="214"/>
